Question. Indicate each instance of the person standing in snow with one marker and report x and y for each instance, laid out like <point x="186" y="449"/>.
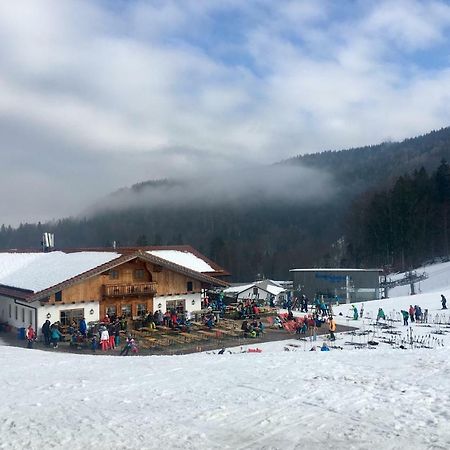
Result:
<point x="443" y="302"/>
<point x="380" y="314"/>
<point x="55" y="335"/>
<point x="361" y="311"/>
<point x="46" y="332"/>
<point x="104" y="338"/>
<point x="411" y="312"/>
<point x="31" y="336"/>
<point x="332" y="328"/>
<point x="405" y="315"/>
<point x="355" y="312"/>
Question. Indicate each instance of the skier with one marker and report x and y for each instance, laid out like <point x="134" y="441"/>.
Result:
<point x="405" y="315"/>
<point x="31" y="336"/>
<point x="129" y="344"/>
<point x="361" y="311"/>
<point x="444" y="302"/>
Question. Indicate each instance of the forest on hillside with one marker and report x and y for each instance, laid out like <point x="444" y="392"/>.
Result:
<point x="381" y="205"/>
<point x="402" y="226"/>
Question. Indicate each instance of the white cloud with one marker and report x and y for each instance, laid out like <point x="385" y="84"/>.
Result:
<point x="137" y="90"/>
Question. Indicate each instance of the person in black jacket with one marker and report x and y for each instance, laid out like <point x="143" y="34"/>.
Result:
<point x="444" y="302"/>
<point x="46" y="333"/>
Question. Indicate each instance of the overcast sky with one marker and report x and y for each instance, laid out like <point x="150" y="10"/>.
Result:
<point x="96" y="95"/>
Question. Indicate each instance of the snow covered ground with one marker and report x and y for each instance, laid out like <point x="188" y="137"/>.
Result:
<point x="356" y="398"/>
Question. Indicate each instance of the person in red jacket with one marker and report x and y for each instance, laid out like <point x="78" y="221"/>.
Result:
<point x="411" y="312"/>
<point x="31" y="336"/>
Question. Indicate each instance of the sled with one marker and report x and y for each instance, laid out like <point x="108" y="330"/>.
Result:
<point x="254" y="350"/>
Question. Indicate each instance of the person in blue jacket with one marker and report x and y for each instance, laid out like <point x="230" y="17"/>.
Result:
<point x="83" y="327"/>
<point x="324" y="348"/>
<point x="55" y="335"/>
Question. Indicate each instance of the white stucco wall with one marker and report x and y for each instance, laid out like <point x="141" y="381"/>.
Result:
<point x="42" y="311"/>
<point x="54" y="311"/>
<point x="9" y="310"/>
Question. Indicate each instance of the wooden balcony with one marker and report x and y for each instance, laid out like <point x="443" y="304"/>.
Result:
<point x="129" y="290"/>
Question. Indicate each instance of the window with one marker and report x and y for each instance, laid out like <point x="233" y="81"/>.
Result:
<point x="58" y="296"/>
<point x="189" y="286"/>
<point x="68" y="315"/>
<point x="23" y="315"/>
<point x="111" y="310"/>
<point x="139" y="274"/>
<point x="178" y="305"/>
<point x="17" y="313"/>
<point x="113" y="274"/>
<point x="30" y="313"/>
<point x="255" y="291"/>
<point x="10" y="311"/>
<point x="141" y="309"/>
<point x="126" y="310"/>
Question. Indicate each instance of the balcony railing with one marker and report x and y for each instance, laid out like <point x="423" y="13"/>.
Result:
<point x="128" y="290"/>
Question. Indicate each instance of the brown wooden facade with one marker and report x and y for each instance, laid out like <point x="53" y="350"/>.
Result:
<point x="128" y="289"/>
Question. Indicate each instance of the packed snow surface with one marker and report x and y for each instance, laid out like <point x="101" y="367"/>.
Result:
<point x="38" y="271"/>
<point x="185" y="259"/>
<point x="384" y="397"/>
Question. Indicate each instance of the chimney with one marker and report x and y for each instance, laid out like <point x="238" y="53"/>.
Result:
<point x="48" y="242"/>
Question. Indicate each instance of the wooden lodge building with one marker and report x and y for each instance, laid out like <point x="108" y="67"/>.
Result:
<point x="131" y="282"/>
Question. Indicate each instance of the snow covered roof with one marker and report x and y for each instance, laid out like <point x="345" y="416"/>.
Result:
<point x="183" y="258"/>
<point x="38" y="271"/>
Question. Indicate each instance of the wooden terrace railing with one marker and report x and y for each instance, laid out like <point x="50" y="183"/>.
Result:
<point x="123" y="290"/>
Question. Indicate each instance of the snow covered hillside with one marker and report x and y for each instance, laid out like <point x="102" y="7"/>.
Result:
<point x="438" y="279"/>
<point x="357" y="397"/>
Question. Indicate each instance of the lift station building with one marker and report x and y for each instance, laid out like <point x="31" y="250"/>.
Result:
<point x="343" y="285"/>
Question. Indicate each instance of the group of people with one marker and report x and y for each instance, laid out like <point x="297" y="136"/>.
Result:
<point x="171" y="318"/>
<point x="52" y="333"/>
<point x="252" y="329"/>
<point x="414" y="314"/>
<point x="247" y="309"/>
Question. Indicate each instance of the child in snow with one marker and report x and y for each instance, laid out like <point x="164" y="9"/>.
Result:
<point x="332" y="328"/>
<point x="55" y="335"/>
<point x="130" y="344"/>
<point x="31" y="336"/>
<point x="324" y="348"/>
